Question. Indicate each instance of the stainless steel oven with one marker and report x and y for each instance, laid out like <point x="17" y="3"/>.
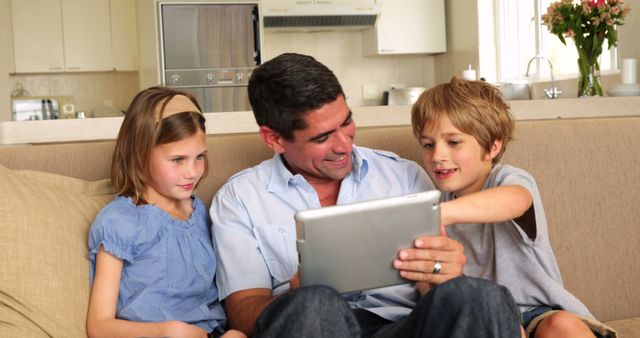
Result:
<point x="209" y="49"/>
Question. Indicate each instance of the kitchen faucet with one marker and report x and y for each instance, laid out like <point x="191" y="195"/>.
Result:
<point x="554" y="92"/>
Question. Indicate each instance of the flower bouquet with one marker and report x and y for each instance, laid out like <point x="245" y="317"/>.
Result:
<point x="588" y="23"/>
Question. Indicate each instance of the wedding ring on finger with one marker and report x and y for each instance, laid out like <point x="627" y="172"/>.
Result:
<point x="437" y="266"/>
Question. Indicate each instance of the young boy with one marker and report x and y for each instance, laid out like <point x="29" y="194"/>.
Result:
<point x="495" y="210"/>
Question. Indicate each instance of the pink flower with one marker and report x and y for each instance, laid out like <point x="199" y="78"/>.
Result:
<point x="585" y="19"/>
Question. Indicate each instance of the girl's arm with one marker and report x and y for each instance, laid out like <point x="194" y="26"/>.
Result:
<point x="101" y="318"/>
<point x="497" y="204"/>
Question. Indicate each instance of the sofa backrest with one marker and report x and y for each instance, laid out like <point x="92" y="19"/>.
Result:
<point x="587" y="171"/>
<point x="589" y="178"/>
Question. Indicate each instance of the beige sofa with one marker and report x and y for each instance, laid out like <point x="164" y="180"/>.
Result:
<point x="587" y="170"/>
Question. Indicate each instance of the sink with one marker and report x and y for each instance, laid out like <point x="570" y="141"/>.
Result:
<point x="514" y="90"/>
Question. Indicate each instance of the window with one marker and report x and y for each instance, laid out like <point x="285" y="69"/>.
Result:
<point x="520" y="36"/>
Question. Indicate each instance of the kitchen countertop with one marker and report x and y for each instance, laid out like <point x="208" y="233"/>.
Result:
<point x="66" y="130"/>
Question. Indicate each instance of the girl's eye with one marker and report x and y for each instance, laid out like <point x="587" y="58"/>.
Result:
<point x="454" y="142"/>
<point x="177" y="160"/>
<point x="200" y="157"/>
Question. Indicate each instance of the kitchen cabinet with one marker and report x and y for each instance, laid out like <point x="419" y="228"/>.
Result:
<point x="407" y="27"/>
<point x="86" y="31"/>
<point x="74" y="35"/>
<point x="37" y="36"/>
<point x="124" y="40"/>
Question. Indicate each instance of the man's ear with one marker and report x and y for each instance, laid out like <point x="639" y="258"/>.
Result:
<point x="495" y="149"/>
<point x="272" y="139"/>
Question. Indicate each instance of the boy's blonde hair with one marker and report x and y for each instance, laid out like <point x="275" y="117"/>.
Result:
<point x="144" y="127"/>
<point x="474" y="107"/>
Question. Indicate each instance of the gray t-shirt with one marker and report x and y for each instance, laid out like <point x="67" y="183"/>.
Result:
<point x="504" y="253"/>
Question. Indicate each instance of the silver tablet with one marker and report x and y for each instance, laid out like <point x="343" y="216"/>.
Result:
<point x="352" y="246"/>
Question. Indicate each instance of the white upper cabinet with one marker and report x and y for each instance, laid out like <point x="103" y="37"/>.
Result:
<point x="74" y="35"/>
<point x="124" y="40"/>
<point x="407" y="27"/>
<point x="37" y="36"/>
<point x="87" y="35"/>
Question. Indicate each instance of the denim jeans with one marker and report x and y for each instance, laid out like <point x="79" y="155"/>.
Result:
<point x="462" y="307"/>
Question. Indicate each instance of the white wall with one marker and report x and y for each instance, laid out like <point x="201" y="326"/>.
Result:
<point x="462" y="40"/>
<point x="341" y="51"/>
<point x="628" y="33"/>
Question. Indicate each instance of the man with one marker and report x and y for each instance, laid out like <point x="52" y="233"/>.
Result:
<point x="303" y="117"/>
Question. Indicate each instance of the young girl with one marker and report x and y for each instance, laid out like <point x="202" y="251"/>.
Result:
<point x="495" y="210"/>
<point x="151" y="259"/>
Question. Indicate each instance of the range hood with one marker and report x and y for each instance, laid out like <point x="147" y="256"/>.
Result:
<point x="319" y="15"/>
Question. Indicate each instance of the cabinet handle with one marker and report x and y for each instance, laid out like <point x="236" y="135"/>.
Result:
<point x="387" y="50"/>
<point x="74" y="68"/>
<point x="55" y="68"/>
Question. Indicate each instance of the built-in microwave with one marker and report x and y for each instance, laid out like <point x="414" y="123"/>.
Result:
<point x="209" y="49"/>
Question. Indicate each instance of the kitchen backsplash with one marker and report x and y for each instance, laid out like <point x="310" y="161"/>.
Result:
<point x="89" y="90"/>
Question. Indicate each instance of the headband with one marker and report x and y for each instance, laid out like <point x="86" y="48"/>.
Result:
<point x="177" y="104"/>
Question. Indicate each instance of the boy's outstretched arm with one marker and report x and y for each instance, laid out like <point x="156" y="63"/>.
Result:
<point x="497" y="204"/>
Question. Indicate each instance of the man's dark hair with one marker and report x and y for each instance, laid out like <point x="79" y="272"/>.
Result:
<point x="284" y="89"/>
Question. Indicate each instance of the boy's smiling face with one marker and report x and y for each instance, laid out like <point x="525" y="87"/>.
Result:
<point x="454" y="160"/>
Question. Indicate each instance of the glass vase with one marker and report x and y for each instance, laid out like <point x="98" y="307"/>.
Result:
<point x="589" y="81"/>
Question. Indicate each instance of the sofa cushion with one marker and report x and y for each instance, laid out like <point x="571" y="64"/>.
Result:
<point x="626" y="328"/>
<point x="44" y="224"/>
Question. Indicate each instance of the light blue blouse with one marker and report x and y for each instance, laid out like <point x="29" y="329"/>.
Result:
<point x="255" y="234"/>
<point x="169" y="264"/>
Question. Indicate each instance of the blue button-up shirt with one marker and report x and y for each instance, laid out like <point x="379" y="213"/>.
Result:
<point x="254" y="231"/>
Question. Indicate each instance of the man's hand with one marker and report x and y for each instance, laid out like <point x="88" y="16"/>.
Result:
<point x="417" y="263"/>
<point x="294" y="282"/>
<point x="244" y="307"/>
